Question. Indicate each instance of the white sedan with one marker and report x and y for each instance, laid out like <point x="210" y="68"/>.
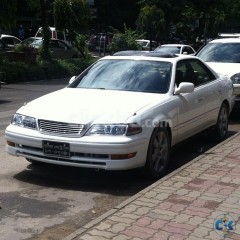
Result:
<point x="125" y="111"/>
<point x="223" y="55"/>
<point x="176" y="49"/>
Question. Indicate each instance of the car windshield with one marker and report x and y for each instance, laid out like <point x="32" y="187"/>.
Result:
<point x="221" y="52"/>
<point x="168" y="49"/>
<point x="142" y="43"/>
<point x="126" y="75"/>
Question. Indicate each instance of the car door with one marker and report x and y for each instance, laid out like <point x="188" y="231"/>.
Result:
<point x="211" y="89"/>
<point x="190" y="105"/>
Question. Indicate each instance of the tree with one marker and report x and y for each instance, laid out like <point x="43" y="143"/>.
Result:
<point x="151" y="20"/>
<point x="124" y="41"/>
<point x="72" y="16"/>
<point x="44" y="52"/>
<point x="116" y="13"/>
<point x="8" y="13"/>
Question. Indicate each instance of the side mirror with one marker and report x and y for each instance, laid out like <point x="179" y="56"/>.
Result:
<point x="236" y="89"/>
<point x="72" y="79"/>
<point x="184" y="87"/>
<point x="184" y="53"/>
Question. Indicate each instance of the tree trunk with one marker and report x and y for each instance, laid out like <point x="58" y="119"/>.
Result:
<point x="44" y="52"/>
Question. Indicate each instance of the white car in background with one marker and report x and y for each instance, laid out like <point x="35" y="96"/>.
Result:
<point x="176" y="49"/>
<point x="223" y="55"/>
<point x="125" y="111"/>
<point x="10" y="41"/>
<point x="145" y="44"/>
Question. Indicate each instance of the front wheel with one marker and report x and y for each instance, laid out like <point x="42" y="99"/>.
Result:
<point x="158" y="153"/>
<point x="221" y="128"/>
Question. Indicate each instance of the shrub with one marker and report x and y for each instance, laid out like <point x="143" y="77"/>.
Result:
<point x="20" y="72"/>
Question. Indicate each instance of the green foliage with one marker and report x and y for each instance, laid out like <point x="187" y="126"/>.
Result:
<point x="125" y="41"/>
<point x="20" y="72"/>
<point x="7" y="13"/>
<point x="73" y="15"/>
<point x="81" y="46"/>
<point x="151" y="20"/>
<point x="24" y="48"/>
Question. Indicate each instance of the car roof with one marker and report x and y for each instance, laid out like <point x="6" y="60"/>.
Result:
<point x="149" y="55"/>
<point x="226" y="40"/>
<point x="229" y="35"/>
<point x="5" y="35"/>
<point x="174" y="45"/>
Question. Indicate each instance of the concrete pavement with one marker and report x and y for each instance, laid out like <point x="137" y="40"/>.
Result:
<point x="200" y="200"/>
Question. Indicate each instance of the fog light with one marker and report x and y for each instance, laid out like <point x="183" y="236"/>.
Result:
<point x="123" y="156"/>
<point x="11" y="144"/>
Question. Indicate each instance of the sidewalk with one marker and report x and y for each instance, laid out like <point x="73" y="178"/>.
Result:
<point x="200" y="200"/>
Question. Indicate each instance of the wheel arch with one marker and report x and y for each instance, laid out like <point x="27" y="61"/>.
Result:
<point x="227" y="104"/>
<point x="167" y="125"/>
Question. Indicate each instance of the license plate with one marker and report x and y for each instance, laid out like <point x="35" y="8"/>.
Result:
<point x="57" y="149"/>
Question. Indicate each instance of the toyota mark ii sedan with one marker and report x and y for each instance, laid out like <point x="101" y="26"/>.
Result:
<point x="125" y="111"/>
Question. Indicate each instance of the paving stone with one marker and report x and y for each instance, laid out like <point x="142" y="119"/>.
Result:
<point x="162" y="196"/>
<point x="177" y="237"/>
<point x="91" y="237"/>
<point x="142" y="210"/>
<point x="201" y="232"/>
<point x="140" y="232"/>
<point x="118" y="227"/>
<point x="161" y="235"/>
<point x="105" y="234"/>
<point x="182" y="218"/>
<point x="103" y="226"/>
<point x="193" y="238"/>
<point x="121" y="237"/>
<point x="141" y="203"/>
<point x="196" y="220"/>
<point x="121" y="219"/>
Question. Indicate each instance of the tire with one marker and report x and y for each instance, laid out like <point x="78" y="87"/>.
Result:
<point x="221" y="128"/>
<point x="158" y="153"/>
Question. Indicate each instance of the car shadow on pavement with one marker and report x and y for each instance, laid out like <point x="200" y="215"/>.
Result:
<point x="124" y="183"/>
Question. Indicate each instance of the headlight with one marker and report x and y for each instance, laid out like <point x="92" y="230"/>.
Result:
<point x="114" y="129"/>
<point x="236" y="78"/>
<point x="24" y="121"/>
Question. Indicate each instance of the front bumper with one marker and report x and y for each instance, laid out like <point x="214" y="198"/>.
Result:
<point x="87" y="152"/>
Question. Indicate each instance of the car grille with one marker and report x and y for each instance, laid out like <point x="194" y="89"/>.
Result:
<point x="61" y="129"/>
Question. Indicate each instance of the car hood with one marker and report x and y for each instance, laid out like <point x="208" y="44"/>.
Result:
<point x="225" y="68"/>
<point x="88" y="106"/>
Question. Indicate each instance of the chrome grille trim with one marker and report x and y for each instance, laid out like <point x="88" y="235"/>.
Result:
<point x="61" y="128"/>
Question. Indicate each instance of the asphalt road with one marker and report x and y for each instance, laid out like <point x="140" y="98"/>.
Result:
<point x="40" y="202"/>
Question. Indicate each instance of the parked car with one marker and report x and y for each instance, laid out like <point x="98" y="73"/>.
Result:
<point x="228" y="35"/>
<point x="176" y="49"/>
<point x="10" y="41"/>
<point x="59" y="49"/>
<point x="223" y="55"/>
<point x="125" y="111"/>
<point x="54" y="34"/>
<point x="145" y="44"/>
